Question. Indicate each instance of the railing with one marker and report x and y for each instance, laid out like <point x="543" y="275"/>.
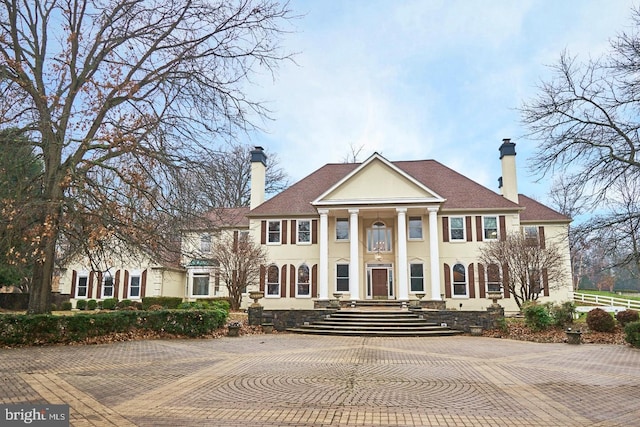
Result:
<point x="605" y="300"/>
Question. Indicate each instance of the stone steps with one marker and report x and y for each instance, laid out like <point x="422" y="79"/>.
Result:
<point x="367" y="322"/>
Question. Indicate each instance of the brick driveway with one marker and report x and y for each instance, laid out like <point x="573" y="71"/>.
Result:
<point x="297" y="380"/>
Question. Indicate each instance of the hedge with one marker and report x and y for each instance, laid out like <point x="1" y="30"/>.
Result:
<point x="38" y="329"/>
<point x="166" y="302"/>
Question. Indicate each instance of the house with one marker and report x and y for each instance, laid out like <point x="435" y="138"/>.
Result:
<point x="398" y="230"/>
<point x="380" y="229"/>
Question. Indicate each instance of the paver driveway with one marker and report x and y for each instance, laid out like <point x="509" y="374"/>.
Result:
<point x="298" y="380"/>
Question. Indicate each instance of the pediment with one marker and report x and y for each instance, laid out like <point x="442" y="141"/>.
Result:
<point x="377" y="181"/>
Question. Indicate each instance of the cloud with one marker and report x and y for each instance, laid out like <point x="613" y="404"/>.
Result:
<point x="416" y="79"/>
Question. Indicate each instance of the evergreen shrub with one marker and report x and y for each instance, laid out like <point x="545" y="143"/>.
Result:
<point x="632" y="334"/>
<point x="536" y="316"/>
<point x="600" y="321"/>
<point x="627" y="316"/>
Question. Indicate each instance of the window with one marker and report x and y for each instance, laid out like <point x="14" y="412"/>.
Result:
<point x="415" y="227"/>
<point x="303" y="289"/>
<point x="531" y="236"/>
<point x="534" y="281"/>
<point x="200" y="284"/>
<point x="107" y="286"/>
<point x="494" y="284"/>
<point x="82" y="286"/>
<point x="273" y="232"/>
<point x="342" y="278"/>
<point x="304" y="231"/>
<point x="273" y="281"/>
<point x="379" y="238"/>
<point x="417" y="277"/>
<point x="459" y="281"/>
<point x="342" y="229"/>
<point x="205" y="243"/>
<point x="134" y="286"/>
<point x="456" y="229"/>
<point x="490" y="227"/>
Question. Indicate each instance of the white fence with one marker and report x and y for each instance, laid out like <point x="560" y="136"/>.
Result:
<point x="613" y="302"/>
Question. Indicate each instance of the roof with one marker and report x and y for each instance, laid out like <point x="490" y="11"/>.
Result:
<point x="536" y="211"/>
<point x="228" y="217"/>
<point x="459" y="191"/>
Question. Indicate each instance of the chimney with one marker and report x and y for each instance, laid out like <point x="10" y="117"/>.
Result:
<point x="508" y="182"/>
<point x="258" y="176"/>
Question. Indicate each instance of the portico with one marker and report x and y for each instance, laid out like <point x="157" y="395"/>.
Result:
<point x="389" y="252"/>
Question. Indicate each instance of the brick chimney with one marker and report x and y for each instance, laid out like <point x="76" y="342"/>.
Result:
<point x="508" y="182"/>
<point x="258" y="176"/>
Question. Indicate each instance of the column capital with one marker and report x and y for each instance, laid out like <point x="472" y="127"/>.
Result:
<point x="323" y="211"/>
<point x="354" y="211"/>
<point x="433" y="209"/>
<point x="401" y="210"/>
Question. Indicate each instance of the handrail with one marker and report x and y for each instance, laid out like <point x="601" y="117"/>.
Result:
<point x="605" y="300"/>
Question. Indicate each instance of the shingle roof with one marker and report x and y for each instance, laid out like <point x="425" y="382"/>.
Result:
<point x="536" y="211"/>
<point x="460" y="191"/>
<point x="221" y="218"/>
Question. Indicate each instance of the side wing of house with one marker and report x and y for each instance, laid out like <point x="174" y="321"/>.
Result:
<point x="124" y="275"/>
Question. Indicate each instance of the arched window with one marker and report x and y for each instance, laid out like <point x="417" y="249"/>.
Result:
<point x="379" y="238"/>
<point x="494" y="284"/>
<point x="303" y="289"/>
<point x="459" y="280"/>
<point x="273" y="280"/>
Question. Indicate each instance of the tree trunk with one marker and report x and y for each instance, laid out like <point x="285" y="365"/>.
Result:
<point x="40" y="295"/>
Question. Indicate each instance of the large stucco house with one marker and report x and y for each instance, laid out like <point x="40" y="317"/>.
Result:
<point x="380" y="229"/>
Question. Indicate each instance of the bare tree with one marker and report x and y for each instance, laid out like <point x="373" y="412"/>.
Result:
<point x="222" y="179"/>
<point x="354" y="152"/>
<point x="239" y="260"/>
<point x="616" y="232"/>
<point x="117" y="94"/>
<point x="528" y="268"/>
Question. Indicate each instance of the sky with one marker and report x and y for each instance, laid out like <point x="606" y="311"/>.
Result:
<point x="423" y="79"/>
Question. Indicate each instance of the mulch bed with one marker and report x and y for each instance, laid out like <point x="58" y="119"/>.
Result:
<point x="519" y="331"/>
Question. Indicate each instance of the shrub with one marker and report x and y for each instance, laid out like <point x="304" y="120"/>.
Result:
<point x="81" y="304"/>
<point x="110" y="303"/>
<point x="66" y="306"/>
<point x="194" y="305"/>
<point x="632" y="334"/>
<point x="124" y="303"/>
<point x="92" y="304"/>
<point x="155" y="307"/>
<point x="166" y="302"/>
<point x="562" y="314"/>
<point x="224" y="304"/>
<point x="627" y="316"/>
<point x="54" y="307"/>
<point x="536" y="316"/>
<point x="43" y="329"/>
<point x="600" y="321"/>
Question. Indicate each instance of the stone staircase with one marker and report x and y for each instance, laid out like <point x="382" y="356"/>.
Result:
<point x="375" y="322"/>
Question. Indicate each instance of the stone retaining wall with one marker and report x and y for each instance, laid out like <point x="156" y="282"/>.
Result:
<point x="462" y="320"/>
<point x="459" y="320"/>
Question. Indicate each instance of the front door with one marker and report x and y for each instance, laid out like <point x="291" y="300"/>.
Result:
<point x="380" y="283"/>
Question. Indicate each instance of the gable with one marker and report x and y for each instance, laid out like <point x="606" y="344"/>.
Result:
<point x="377" y="181"/>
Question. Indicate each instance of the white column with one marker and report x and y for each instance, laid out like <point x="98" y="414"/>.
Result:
<point x="323" y="268"/>
<point x="434" y="254"/>
<point x="403" y="281"/>
<point x="354" y="259"/>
